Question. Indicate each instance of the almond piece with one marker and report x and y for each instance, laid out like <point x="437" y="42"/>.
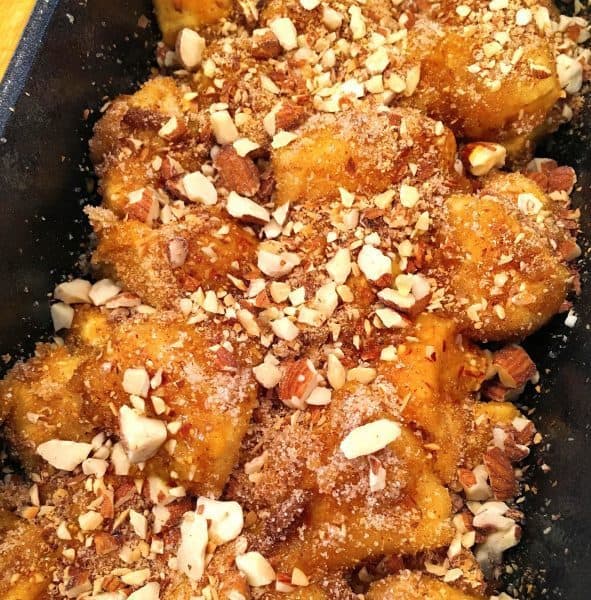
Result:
<point x="335" y="372"/>
<point x="136" y="382"/>
<point x="124" y="300"/>
<point x="561" y="179"/>
<point x="225" y="519"/>
<point x="289" y="116"/>
<point x="277" y="265"/>
<point x="189" y="48"/>
<point x="370" y="438"/>
<point x="198" y="188"/>
<point x="73" y="292"/>
<point x="298" y="380"/>
<point x="377" y="474"/>
<point x="143" y="206"/>
<point x="514" y="366"/>
<point x="339" y="266"/>
<point x="141" y="436"/>
<point x="286" y="33"/>
<point x="501" y="474"/>
<point x="237" y="173"/>
<point x="256" y="568"/>
<point x="178" y="250"/>
<point x="104" y="543"/>
<point x="151" y="591"/>
<point x="191" y="552"/>
<point x="265" y="44"/>
<point x="482" y="157"/>
<point x="62" y="454"/>
<point x="246" y="209"/>
<point x="173" y="130"/>
<point x="374" y="263"/>
<point x="223" y="127"/>
<point x="62" y="315"/>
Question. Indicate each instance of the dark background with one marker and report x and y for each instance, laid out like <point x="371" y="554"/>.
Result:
<point x="96" y="50"/>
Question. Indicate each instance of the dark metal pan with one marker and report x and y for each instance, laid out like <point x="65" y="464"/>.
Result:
<point x="73" y="56"/>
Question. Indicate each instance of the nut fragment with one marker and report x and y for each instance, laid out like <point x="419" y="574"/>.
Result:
<point x="141" y="436"/>
<point x="256" y="568"/>
<point x="237" y="173"/>
<point x="62" y="315"/>
<point x="225" y="518"/>
<point x="73" y="292"/>
<point x="286" y="32"/>
<point x="199" y="189"/>
<point x="62" y="454"/>
<point x="178" y="250"/>
<point x="514" y="366"/>
<point x="223" y="126"/>
<point x="136" y="382"/>
<point x="482" y="157"/>
<point x="173" y="130"/>
<point x="374" y="263"/>
<point x="265" y="44"/>
<point x="246" y="209"/>
<point x="191" y="552"/>
<point x="370" y="438"/>
<point x="335" y="372"/>
<point x="143" y="206"/>
<point x="501" y="474"/>
<point x="298" y="380"/>
<point x="189" y="48"/>
<point x="103" y="291"/>
<point x="277" y="265"/>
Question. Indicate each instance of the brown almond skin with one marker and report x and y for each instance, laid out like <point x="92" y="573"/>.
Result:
<point x="501" y="474"/>
<point x="237" y="173"/>
<point x="265" y="46"/>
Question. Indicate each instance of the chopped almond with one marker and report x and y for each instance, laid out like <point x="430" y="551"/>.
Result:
<point x="189" y="48"/>
<point x="501" y="474"/>
<point x="237" y="173"/>
<point x="298" y="380"/>
<point x="514" y="366"/>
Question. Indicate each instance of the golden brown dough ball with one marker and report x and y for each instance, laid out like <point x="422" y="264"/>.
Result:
<point x="499" y="267"/>
<point x="416" y="586"/>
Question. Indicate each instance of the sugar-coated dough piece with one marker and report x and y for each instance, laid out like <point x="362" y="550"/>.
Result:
<point x="416" y="586"/>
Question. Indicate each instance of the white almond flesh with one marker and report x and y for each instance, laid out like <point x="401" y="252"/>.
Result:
<point x="286" y="33"/>
<point x="267" y="374"/>
<point x="191" y="552"/>
<point x="224" y="128"/>
<point x="339" y="266"/>
<point x="73" y="292"/>
<point x="256" y="568"/>
<point x="374" y="263"/>
<point x="120" y="460"/>
<point x="284" y="329"/>
<point x="136" y="382"/>
<point x="62" y="315"/>
<point x="141" y="436"/>
<point x="63" y="454"/>
<point x="246" y="209"/>
<point x="370" y="438"/>
<point x="277" y="265"/>
<point x="320" y="396"/>
<point x="189" y="48"/>
<point x="151" y="591"/>
<point x="95" y="466"/>
<point x="199" y="189"/>
<point x="226" y="519"/>
<point x="103" y="291"/>
<point x="139" y="524"/>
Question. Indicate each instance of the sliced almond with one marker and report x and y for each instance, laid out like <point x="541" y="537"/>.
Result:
<point x="370" y="438"/>
<point x="224" y="128"/>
